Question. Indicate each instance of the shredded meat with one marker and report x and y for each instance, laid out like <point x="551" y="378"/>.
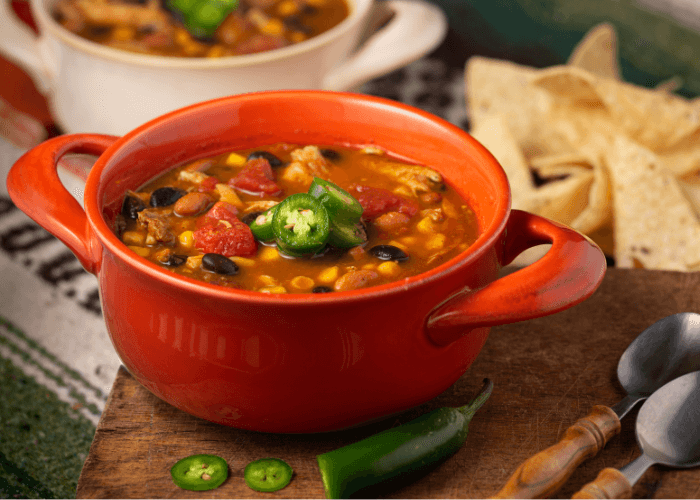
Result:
<point x="157" y="225"/>
<point x="306" y="163"/>
<point x="417" y="178"/>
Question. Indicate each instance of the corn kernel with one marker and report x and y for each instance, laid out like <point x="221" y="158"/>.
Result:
<point x="192" y="49"/>
<point x="269" y="254"/>
<point x="267" y="280"/>
<point x="142" y="251"/>
<point x="329" y="275"/>
<point x="287" y="8"/>
<point x="216" y="51"/>
<point x="389" y="269"/>
<point x="297" y="36"/>
<point x="437" y="242"/>
<point x="182" y="37"/>
<point x="426" y="226"/>
<point x="235" y="160"/>
<point x="398" y="244"/>
<point x="186" y="239"/>
<point x="133" y="238"/>
<point x="273" y="27"/>
<point x="242" y="261"/>
<point x="302" y="282"/>
<point x="273" y="289"/>
<point x="194" y="261"/>
<point x="409" y="241"/>
<point x="123" y="34"/>
<point x="227" y="194"/>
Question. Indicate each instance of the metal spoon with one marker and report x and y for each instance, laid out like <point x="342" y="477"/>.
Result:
<point x="666" y="350"/>
<point x="668" y="433"/>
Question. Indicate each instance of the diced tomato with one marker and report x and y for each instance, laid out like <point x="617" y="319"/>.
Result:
<point x="226" y="239"/>
<point x="377" y="201"/>
<point x="256" y="177"/>
<point x="208" y="184"/>
<point x="220" y="211"/>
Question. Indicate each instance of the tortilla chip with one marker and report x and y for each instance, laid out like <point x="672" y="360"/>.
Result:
<point x="597" y="52"/>
<point x="501" y="87"/>
<point x="655" y="226"/>
<point x="492" y="131"/>
<point x="598" y="212"/>
<point x="562" y="200"/>
<point x="572" y="86"/>
<point x="655" y="119"/>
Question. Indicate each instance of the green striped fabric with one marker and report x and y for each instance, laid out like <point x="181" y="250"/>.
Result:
<point x="45" y="423"/>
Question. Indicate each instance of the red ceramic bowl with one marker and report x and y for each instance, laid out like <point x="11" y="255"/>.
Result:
<point x="303" y="363"/>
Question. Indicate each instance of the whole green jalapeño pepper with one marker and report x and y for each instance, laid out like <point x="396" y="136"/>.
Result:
<point x="301" y="225"/>
<point x="400" y="452"/>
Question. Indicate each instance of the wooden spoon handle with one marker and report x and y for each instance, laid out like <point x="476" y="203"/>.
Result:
<point x="543" y="474"/>
<point x="610" y="483"/>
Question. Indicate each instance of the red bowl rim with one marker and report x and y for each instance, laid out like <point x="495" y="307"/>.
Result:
<point x="484" y="243"/>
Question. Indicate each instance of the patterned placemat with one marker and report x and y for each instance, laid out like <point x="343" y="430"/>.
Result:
<point x="56" y="361"/>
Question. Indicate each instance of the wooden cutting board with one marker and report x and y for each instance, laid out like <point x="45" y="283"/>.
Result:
<point x="547" y="372"/>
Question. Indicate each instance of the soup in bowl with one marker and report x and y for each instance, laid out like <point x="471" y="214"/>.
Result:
<point x="299" y="361"/>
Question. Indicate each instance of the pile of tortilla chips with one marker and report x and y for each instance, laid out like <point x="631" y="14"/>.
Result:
<point x="618" y="162"/>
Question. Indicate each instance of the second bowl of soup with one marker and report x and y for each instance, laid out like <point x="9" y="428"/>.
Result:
<point x="301" y="261"/>
<point x="108" y="67"/>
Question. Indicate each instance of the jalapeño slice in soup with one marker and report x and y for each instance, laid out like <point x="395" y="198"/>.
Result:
<point x="322" y="219"/>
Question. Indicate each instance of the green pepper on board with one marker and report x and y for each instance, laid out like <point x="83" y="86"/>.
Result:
<point x="267" y="474"/>
<point x="399" y="452"/>
<point x="199" y="472"/>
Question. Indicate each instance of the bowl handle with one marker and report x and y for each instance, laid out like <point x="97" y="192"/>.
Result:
<point x="567" y="274"/>
<point x="416" y="28"/>
<point x="36" y="189"/>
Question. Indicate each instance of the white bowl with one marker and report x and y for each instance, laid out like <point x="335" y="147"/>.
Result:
<point x="94" y="88"/>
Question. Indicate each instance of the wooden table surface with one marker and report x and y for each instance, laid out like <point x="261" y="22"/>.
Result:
<point x="547" y="372"/>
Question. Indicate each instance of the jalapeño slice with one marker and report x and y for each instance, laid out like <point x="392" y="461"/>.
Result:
<point x="301" y="225"/>
<point x="341" y="205"/>
<point x="267" y="474"/>
<point x="199" y="472"/>
<point x="344" y="235"/>
<point x="261" y="226"/>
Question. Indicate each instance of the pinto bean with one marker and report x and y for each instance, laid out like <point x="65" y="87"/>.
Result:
<point x="431" y="198"/>
<point x="355" y="279"/>
<point x="192" y="204"/>
<point x="392" y="222"/>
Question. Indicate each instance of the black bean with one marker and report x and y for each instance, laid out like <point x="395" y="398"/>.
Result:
<point x="248" y="218"/>
<point x="131" y="207"/>
<point x="330" y="154"/>
<point x="296" y="24"/>
<point x="218" y="264"/>
<point x="175" y="260"/>
<point x="274" y="161"/>
<point x="166" y="196"/>
<point x="388" y="252"/>
<point x="321" y="289"/>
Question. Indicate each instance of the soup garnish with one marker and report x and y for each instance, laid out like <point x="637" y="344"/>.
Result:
<point x="199" y="28"/>
<point x="322" y="220"/>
